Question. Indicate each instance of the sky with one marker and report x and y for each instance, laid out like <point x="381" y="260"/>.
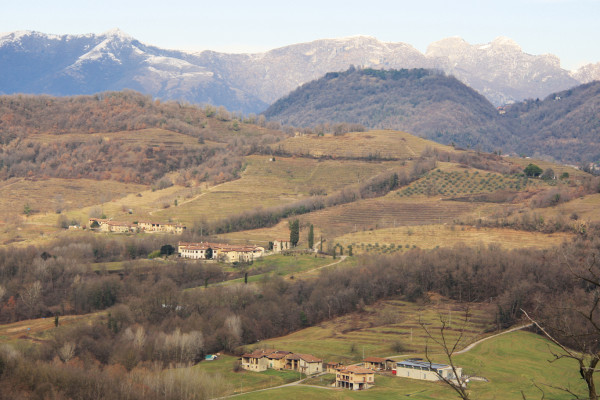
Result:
<point x="568" y="29"/>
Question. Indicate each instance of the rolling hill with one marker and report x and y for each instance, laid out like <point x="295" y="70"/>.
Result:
<point x="563" y="126"/>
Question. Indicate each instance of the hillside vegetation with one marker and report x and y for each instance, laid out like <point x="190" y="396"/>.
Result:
<point x="430" y="104"/>
<point x="93" y="137"/>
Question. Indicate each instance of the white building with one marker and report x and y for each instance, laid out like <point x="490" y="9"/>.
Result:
<point x="416" y="368"/>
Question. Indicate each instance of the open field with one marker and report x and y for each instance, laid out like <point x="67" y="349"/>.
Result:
<point x="585" y="209"/>
<point x="38" y="329"/>
<point x="431" y="236"/>
<point x="388" y="211"/>
<point x="372" y="144"/>
<point x="387" y="328"/>
<point x="266" y="184"/>
<point x="511" y="363"/>
<point x="153" y="137"/>
<point x="52" y="194"/>
<point x="244" y="381"/>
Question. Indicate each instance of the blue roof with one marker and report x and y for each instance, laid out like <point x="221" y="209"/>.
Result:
<point x="412" y="363"/>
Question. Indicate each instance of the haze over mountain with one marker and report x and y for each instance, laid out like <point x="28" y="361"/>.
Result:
<point x="564" y="126"/>
<point x="34" y="62"/>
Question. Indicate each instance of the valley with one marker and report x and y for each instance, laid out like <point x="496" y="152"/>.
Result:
<point x="409" y="236"/>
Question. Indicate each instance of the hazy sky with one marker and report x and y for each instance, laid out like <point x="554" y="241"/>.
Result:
<point x="569" y="29"/>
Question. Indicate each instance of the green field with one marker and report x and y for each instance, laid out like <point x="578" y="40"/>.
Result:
<point x="244" y="381"/>
<point x="511" y="362"/>
<point x="384" y="329"/>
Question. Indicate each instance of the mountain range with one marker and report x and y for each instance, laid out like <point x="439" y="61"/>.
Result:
<point x="564" y="126"/>
<point x="33" y="62"/>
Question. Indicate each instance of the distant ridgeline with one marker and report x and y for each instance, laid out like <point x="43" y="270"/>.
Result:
<point x="433" y="105"/>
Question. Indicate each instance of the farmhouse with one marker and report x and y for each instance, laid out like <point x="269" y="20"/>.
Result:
<point x="305" y="363"/>
<point x="281" y="245"/>
<point x="379" y="364"/>
<point x="416" y="368"/>
<point x="168" y="227"/>
<point x="332" y="367"/>
<point x="106" y="225"/>
<point x="256" y="361"/>
<point x="354" y="377"/>
<point x="219" y="251"/>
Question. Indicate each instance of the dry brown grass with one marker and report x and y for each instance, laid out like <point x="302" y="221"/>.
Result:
<point x="266" y="184"/>
<point x="153" y="137"/>
<point x="388" y="211"/>
<point x="383" y="144"/>
<point x="431" y="236"/>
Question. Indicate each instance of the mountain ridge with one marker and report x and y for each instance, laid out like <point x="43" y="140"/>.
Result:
<point x="564" y="126"/>
<point x="34" y="62"/>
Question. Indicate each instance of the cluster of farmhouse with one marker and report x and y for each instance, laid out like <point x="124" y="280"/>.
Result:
<point x="107" y="225"/>
<point x="219" y="251"/>
<point x="227" y="252"/>
<point x="353" y="377"/>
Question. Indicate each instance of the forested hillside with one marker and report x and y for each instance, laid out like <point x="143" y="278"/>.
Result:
<point x="439" y="107"/>
<point x="43" y="136"/>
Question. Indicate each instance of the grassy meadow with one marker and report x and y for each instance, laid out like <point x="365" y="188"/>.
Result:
<point x="377" y="144"/>
<point x="512" y="363"/>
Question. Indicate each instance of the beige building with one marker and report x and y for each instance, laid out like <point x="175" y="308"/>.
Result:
<point x="415" y="368"/>
<point x="166" y="227"/>
<point x="354" y="377"/>
<point x="281" y="245"/>
<point x="106" y="225"/>
<point x="256" y="361"/>
<point x="219" y="251"/>
<point x="332" y="367"/>
<point x="304" y="363"/>
<point x="276" y="359"/>
<point x="379" y="364"/>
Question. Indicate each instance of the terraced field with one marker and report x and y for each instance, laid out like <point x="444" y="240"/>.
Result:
<point x="387" y="328"/>
<point x="454" y="183"/>
<point x="385" y="212"/>
<point x="49" y="195"/>
<point x="392" y="240"/>
<point x="144" y="137"/>
<point x="267" y="184"/>
<point x="372" y="144"/>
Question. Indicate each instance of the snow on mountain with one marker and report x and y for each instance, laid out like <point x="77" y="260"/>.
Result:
<point x="34" y="62"/>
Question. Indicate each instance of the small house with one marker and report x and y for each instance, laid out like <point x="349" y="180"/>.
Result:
<point x="354" y="377"/>
<point x="332" y="367"/>
<point x="281" y="245"/>
<point x="379" y="364"/>
<point x="255" y="361"/>
<point x="304" y="363"/>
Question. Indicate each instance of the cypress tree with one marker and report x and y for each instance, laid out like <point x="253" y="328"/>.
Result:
<point x="311" y="237"/>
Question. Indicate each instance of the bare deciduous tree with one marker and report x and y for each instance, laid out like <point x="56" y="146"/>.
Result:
<point x="449" y="347"/>
<point x="573" y="323"/>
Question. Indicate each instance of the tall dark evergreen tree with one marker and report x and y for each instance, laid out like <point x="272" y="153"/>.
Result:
<point x="311" y="237"/>
<point x="294" y="232"/>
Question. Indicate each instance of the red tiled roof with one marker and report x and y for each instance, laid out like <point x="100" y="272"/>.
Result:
<point x="355" y="369"/>
<point x="375" y="360"/>
<point x="278" y="354"/>
<point x="306" y="357"/>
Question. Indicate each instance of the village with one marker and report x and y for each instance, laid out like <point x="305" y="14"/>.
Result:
<point x="353" y="377"/>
